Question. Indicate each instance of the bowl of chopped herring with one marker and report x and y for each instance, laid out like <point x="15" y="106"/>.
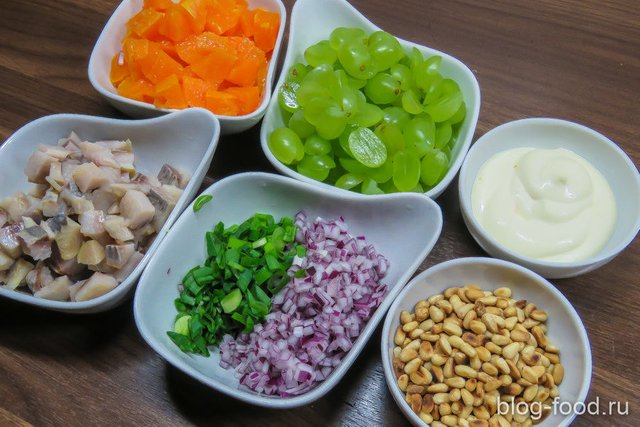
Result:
<point x="88" y="199"/>
<point x="270" y="297"/>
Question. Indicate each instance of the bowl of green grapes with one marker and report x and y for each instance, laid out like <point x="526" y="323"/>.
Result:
<point x="358" y="109"/>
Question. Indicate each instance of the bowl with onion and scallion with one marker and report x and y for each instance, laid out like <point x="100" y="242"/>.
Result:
<point x="270" y="297"/>
<point x="360" y="110"/>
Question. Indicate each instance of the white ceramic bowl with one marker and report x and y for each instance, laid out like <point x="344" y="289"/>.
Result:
<point x="603" y="154"/>
<point x="403" y="228"/>
<point x="312" y="21"/>
<point x="110" y="42"/>
<point x="185" y="139"/>
<point x="565" y="327"/>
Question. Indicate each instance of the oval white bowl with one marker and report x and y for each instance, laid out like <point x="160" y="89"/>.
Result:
<point x="403" y="228"/>
<point x="312" y="21"/>
<point x="185" y="139"/>
<point x="566" y="330"/>
<point x="110" y="42"/>
<point x="600" y="151"/>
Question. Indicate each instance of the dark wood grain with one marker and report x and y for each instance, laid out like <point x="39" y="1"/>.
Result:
<point x="571" y="59"/>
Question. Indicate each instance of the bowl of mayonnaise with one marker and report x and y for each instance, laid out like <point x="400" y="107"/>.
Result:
<point x="554" y="196"/>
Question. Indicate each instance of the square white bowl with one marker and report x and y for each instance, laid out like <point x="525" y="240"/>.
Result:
<point x="313" y="21"/>
<point x="566" y="330"/>
<point x="403" y="228"/>
<point x="185" y="139"/>
<point x="110" y="42"/>
<point x="618" y="169"/>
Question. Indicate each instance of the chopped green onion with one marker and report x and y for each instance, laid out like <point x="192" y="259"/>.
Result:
<point x="201" y="201"/>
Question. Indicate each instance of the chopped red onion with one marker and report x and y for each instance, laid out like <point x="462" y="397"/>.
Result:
<point x="315" y="319"/>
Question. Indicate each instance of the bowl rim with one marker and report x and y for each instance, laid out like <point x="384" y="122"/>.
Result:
<point x="391" y="319"/>
<point x="328" y="384"/>
<point x="81" y="307"/>
<point x="454" y="166"/>
<point x="257" y="113"/>
<point x="464" y="196"/>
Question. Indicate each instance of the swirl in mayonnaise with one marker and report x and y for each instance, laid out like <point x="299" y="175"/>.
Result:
<point x="549" y="204"/>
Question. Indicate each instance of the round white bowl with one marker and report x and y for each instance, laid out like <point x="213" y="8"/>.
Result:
<point x="110" y="42"/>
<point x="620" y="172"/>
<point x="565" y="327"/>
<point x="312" y="21"/>
<point x="185" y="139"/>
<point x="403" y="228"/>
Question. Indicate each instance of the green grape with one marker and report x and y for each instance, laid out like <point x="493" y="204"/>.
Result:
<point x="391" y="136"/>
<point x="433" y="167"/>
<point x="385" y="50"/>
<point x="434" y="91"/>
<point x="367" y="148"/>
<point x="286" y="146"/>
<point x="343" y="140"/>
<point x="396" y="116"/>
<point x="449" y="103"/>
<point x="356" y="59"/>
<point x="416" y="58"/>
<point x="368" y="116"/>
<point x="317" y="145"/>
<point x="383" y="88"/>
<point x="447" y="151"/>
<point x="320" y="82"/>
<point x="311" y="90"/>
<point x="299" y="125"/>
<point x="342" y="35"/>
<point x="433" y="64"/>
<point x="389" y="187"/>
<point x="417" y="189"/>
<point x="287" y="96"/>
<point x="403" y="75"/>
<point x="406" y="170"/>
<point x="316" y="167"/>
<point x="326" y="116"/>
<point x="353" y="166"/>
<point x="410" y="102"/>
<point x="383" y="173"/>
<point x="356" y="83"/>
<point x="334" y="175"/>
<point x="297" y="72"/>
<point x="350" y="101"/>
<point x="370" y="187"/>
<point x="443" y="135"/>
<point x="348" y="181"/>
<point x="459" y="115"/>
<point x="420" y="133"/>
<point x="320" y="53"/>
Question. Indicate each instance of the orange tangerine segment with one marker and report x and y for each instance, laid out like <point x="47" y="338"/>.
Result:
<point x="222" y="103"/>
<point x="215" y="67"/>
<point x="248" y="98"/>
<point x="176" y="24"/>
<point x="265" y="29"/>
<point x="145" y="24"/>
<point x="119" y="70"/>
<point x="168" y="93"/>
<point x="195" y="90"/>
<point x="140" y="90"/>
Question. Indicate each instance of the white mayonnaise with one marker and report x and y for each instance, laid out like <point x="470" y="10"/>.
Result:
<point x="549" y="204"/>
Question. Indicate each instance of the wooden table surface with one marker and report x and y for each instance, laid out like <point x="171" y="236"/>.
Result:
<point x="572" y="59"/>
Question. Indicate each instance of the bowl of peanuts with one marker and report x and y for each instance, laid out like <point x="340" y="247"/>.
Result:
<point x="483" y="342"/>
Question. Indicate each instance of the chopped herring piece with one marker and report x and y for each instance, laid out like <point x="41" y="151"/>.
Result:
<point x="117" y="228"/>
<point x="117" y="145"/>
<point x="118" y="255"/>
<point x="9" y="241"/>
<point x="88" y="176"/>
<point x="68" y="267"/>
<point x="114" y="209"/>
<point x="77" y="203"/>
<point x="97" y="285"/>
<point x="147" y="180"/>
<point x="5" y="261"/>
<point x="39" y="277"/>
<point x="18" y="273"/>
<point x="40" y="250"/>
<point x="56" y="290"/>
<point x="15" y="206"/>
<point x="173" y="176"/>
<point x="113" y="175"/>
<point x="98" y="154"/>
<point x="32" y="234"/>
<point x="38" y="166"/>
<point x="121" y="188"/>
<point x="49" y="204"/>
<point x="92" y="225"/>
<point x="163" y="201"/>
<point x="102" y="199"/>
<point x="142" y="236"/>
<point x="69" y="240"/>
<point x="68" y="167"/>
<point x="122" y="274"/>
<point x="55" y="151"/>
<point x="37" y="191"/>
<point x="56" y="222"/>
<point x="91" y="253"/>
<point x="125" y="159"/>
<point x="136" y="208"/>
